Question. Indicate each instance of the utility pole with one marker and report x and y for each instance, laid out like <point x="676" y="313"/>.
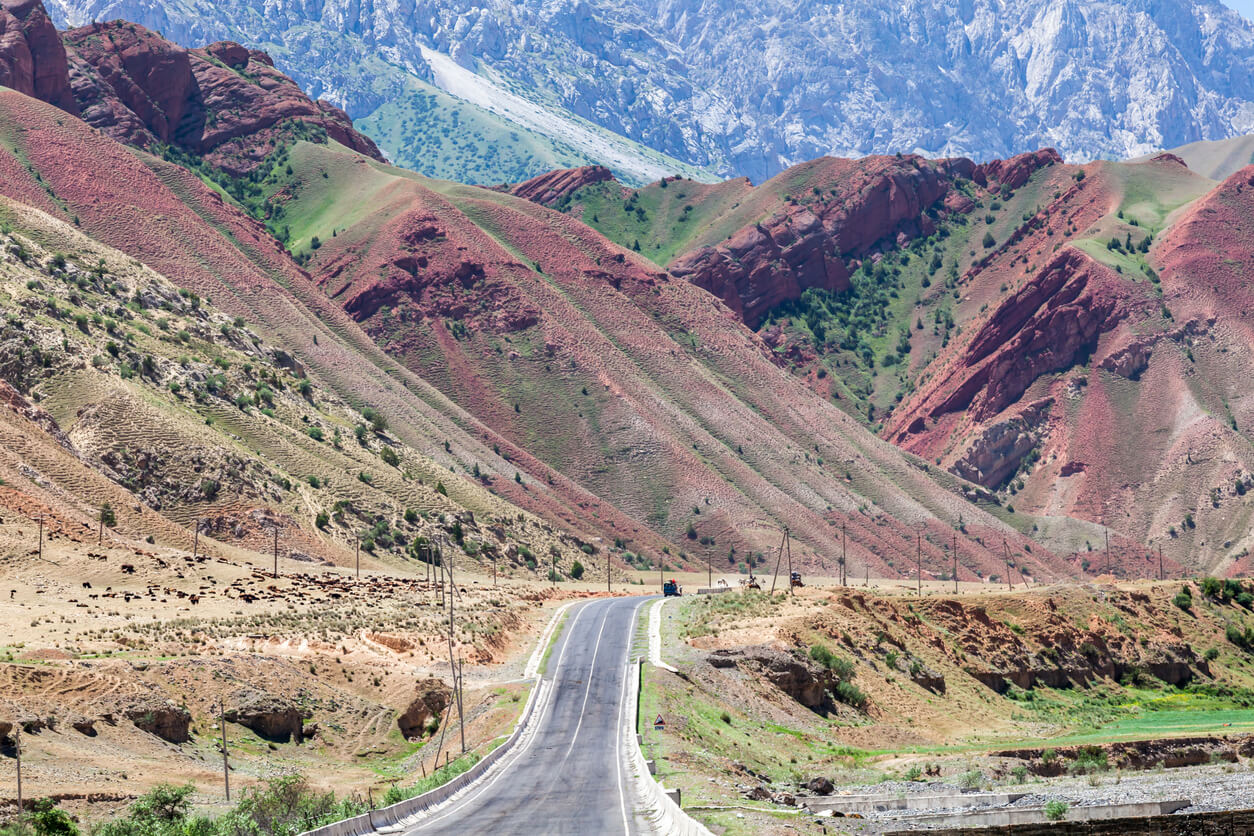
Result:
<point x="955" y="551"/>
<point x="226" y="769"/>
<point x="553" y="572"/>
<point x="196" y="539"/>
<point x="452" y="660"/>
<point x="17" y="745"/>
<point x="844" y="576"/>
<point x="709" y="570"/>
<point x="1160" y="563"/>
<point x="1107" y="533"/>
<point x="357" y="540"/>
<point x="608" y="566"/>
<point x="866" y="579"/>
<point x="778" y="560"/>
<point x="276" y="551"/>
<point x="792" y="590"/>
<point x="41" y="536"/>
<point x="1006" y="548"/>
<point x="100" y="530"/>
<point x="918" y="557"/>
<point x="494" y="567"/>
<point x="461" y="692"/>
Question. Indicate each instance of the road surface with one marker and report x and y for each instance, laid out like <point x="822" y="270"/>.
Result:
<point x="572" y="775"/>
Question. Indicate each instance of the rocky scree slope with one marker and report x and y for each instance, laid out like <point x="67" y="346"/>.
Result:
<point x="747" y="90"/>
<point x="121" y="389"/>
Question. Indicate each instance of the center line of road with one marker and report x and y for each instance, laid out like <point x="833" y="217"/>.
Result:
<point x="588" y="688"/>
<point x="547" y="710"/>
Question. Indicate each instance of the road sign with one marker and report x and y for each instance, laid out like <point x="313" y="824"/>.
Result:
<point x="659" y="724"/>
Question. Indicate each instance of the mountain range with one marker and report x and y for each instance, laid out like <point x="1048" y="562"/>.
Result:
<point x="235" y="309"/>
<point x="488" y="91"/>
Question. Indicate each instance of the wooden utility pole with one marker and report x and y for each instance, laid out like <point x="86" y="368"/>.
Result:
<point x="778" y="560"/>
<point x="276" y="552"/>
<point x="196" y="539"/>
<point x="494" y="567"/>
<point x="918" y="557"/>
<point x="1160" y="563"/>
<point x="955" y="551"/>
<point x="844" y="566"/>
<point x="1107" y="533"/>
<point x="41" y="536"/>
<point x="1006" y="548"/>
<point x="553" y="571"/>
<point x="17" y="748"/>
<point x="226" y="768"/>
<point x="866" y="579"/>
<point x="792" y="590"/>
<point x="709" y="570"/>
<point x="100" y="530"/>
<point x="461" y="693"/>
<point x="357" y="554"/>
<point x="608" y="565"/>
<point x="452" y="660"/>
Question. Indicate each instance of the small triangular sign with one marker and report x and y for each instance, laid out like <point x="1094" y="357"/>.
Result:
<point x="659" y="721"/>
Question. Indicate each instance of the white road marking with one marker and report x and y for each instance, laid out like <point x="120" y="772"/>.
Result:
<point x="487" y="784"/>
<point x="588" y="685"/>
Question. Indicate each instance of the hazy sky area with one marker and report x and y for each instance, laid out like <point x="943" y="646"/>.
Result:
<point x="1245" y="7"/>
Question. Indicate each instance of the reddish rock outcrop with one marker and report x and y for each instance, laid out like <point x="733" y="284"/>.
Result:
<point x="804" y="242"/>
<point x="547" y="189"/>
<point x="224" y="101"/>
<point x="1017" y="170"/>
<point x="32" y="58"/>
<point x="1053" y="321"/>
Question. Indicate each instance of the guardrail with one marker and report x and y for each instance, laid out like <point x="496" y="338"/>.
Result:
<point x="663" y="813"/>
<point x="387" y="819"/>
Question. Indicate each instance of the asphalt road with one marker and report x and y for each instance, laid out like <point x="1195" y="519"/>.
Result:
<point x="571" y="777"/>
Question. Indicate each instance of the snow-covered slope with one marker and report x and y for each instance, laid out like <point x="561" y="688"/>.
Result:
<point x="746" y="87"/>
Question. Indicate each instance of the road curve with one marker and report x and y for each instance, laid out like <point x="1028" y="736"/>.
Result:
<point x="571" y="776"/>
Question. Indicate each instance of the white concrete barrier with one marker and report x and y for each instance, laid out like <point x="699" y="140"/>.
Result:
<point x="663" y="814"/>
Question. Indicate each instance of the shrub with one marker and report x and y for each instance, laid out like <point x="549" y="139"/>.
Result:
<point x="850" y="694"/>
<point x="1055" y="810"/>
<point x="50" y="820"/>
<point x="107" y="516"/>
<point x="1183" y="600"/>
<point x="1212" y="587"/>
<point x="1088" y="760"/>
<point x="914" y="773"/>
<point x="1212" y="653"/>
<point x="989" y="241"/>
<point x="725" y="717"/>
<point x="316" y="433"/>
<point x="322" y="520"/>
<point x="971" y="779"/>
<point x="576" y="571"/>
<point x="1020" y="774"/>
<point x="389" y="456"/>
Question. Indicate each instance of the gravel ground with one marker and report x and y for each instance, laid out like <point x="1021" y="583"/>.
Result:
<point x="1210" y="788"/>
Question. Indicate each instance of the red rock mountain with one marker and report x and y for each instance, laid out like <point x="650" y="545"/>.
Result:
<point x="224" y="102"/>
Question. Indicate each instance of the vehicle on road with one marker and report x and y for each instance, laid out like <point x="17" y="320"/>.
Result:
<point x="672" y="588"/>
<point x="795" y="579"/>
